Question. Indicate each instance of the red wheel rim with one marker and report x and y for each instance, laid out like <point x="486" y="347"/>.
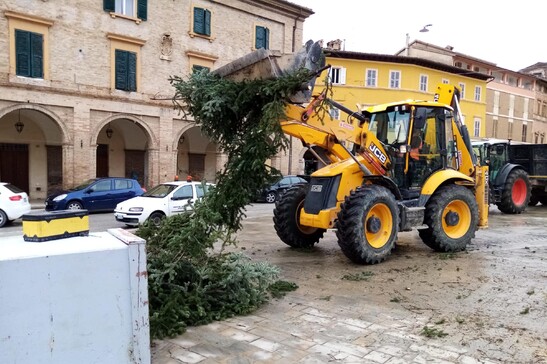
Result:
<point x="518" y="192"/>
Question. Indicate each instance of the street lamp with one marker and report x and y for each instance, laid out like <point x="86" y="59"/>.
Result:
<point x="109" y="132"/>
<point x="19" y="125"/>
<point x="423" y="30"/>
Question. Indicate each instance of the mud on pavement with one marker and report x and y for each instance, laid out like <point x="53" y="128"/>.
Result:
<point x="487" y="304"/>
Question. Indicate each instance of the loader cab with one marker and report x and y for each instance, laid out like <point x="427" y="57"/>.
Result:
<point x="420" y="142"/>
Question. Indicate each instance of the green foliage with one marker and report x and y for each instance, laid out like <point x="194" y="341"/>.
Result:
<point x="188" y="285"/>
<point x="280" y="288"/>
<point x="432" y="332"/>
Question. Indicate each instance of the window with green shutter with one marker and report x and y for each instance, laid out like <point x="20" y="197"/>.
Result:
<point x="29" y="54"/>
<point x="202" y="21"/>
<point x="197" y="68"/>
<point x="138" y="8"/>
<point x="262" y="37"/>
<point x="126" y="70"/>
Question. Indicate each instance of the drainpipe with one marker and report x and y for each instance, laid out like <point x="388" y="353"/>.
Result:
<point x="293" y="49"/>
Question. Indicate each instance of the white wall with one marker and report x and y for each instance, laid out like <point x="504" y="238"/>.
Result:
<point x="75" y="300"/>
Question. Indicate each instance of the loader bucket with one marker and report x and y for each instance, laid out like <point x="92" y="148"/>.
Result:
<point x="267" y="64"/>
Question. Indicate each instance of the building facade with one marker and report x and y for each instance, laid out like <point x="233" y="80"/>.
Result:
<point x="514" y="99"/>
<point x="364" y="79"/>
<point x="85" y="91"/>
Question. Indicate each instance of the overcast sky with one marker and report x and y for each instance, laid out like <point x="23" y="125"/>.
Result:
<point x="509" y="34"/>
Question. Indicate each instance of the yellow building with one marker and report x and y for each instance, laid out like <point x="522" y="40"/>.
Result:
<point x="364" y="79"/>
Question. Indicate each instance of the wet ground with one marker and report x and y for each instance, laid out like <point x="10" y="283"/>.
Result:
<point x="487" y="304"/>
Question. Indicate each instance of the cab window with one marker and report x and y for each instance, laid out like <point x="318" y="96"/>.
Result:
<point x="390" y="127"/>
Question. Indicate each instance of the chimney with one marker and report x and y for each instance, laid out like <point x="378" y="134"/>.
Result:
<point x="449" y="47"/>
<point x="334" y="45"/>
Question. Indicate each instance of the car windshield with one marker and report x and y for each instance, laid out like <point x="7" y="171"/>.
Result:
<point x="160" y="191"/>
<point x="84" y="185"/>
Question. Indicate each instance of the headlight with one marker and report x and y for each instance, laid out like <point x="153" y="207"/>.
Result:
<point x="60" y="197"/>
<point x="135" y="209"/>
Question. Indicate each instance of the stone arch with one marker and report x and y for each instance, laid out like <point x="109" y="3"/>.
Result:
<point x="66" y="137"/>
<point x="185" y="128"/>
<point x="154" y="142"/>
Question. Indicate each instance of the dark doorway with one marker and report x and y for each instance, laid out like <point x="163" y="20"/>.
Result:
<point x="14" y="165"/>
<point x="102" y="160"/>
<point x="196" y="165"/>
<point x="54" y="168"/>
<point x="134" y="165"/>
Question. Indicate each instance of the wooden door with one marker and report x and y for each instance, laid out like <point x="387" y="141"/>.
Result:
<point x="102" y="160"/>
<point x="134" y="165"/>
<point x="14" y="165"/>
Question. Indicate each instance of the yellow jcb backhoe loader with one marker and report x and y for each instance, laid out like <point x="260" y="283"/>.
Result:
<point x="388" y="168"/>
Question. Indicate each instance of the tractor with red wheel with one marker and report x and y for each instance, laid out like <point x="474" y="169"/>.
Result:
<point x="517" y="173"/>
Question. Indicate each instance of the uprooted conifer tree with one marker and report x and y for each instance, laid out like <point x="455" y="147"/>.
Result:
<point x="188" y="284"/>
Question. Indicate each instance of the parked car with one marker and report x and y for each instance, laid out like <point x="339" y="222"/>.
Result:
<point x="97" y="194"/>
<point x="272" y="192"/>
<point x="165" y="199"/>
<point x="14" y="203"/>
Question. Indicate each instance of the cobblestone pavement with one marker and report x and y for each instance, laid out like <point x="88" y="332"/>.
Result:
<point x="486" y="305"/>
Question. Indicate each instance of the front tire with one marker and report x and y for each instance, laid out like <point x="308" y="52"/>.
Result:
<point x="156" y="218"/>
<point x="74" y="205"/>
<point x="287" y="220"/>
<point x="3" y="218"/>
<point x="367" y="225"/>
<point x="271" y="197"/>
<point x="516" y="192"/>
<point x="452" y="216"/>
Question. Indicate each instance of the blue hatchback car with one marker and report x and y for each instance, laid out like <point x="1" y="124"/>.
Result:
<point x="97" y="194"/>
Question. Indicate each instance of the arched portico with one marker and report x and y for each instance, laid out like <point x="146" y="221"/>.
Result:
<point x="34" y="143"/>
<point x="196" y="155"/>
<point x="123" y="145"/>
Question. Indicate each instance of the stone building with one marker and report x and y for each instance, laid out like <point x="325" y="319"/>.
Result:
<point x="85" y="92"/>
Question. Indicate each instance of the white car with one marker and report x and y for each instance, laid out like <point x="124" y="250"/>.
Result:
<point x="14" y="203"/>
<point x="163" y="200"/>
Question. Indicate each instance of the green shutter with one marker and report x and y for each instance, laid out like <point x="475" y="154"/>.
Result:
<point x="109" y="5"/>
<point x="266" y="38"/>
<point x="37" y="55"/>
<point x="142" y="9"/>
<point x="199" y="23"/>
<point x="207" y="21"/>
<point x="22" y="53"/>
<point x="121" y="70"/>
<point x="131" y="71"/>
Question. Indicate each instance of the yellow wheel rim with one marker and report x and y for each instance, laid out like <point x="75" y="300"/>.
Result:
<point x="456" y="219"/>
<point x="378" y="225"/>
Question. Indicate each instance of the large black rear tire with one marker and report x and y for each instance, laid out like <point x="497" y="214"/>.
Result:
<point x="452" y="217"/>
<point x="287" y="220"/>
<point x="516" y="192"/>
<point x="367" y="224"/>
